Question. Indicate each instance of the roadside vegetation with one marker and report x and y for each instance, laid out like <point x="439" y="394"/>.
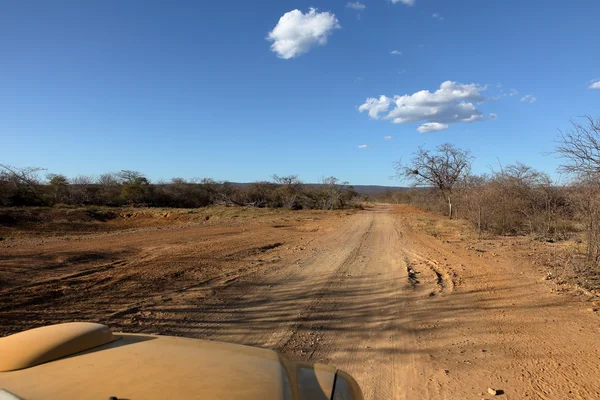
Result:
<point x="517" y="199"/>
<point x="22" y="187"/>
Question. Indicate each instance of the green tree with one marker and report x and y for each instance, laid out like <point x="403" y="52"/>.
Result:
<point x="59" y="185"/>
<point x="135" y="187"/>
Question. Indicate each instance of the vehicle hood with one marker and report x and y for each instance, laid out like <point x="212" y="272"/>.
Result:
<point x="93" y="363"/>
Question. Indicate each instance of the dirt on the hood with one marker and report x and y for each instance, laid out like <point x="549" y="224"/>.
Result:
<point x="414" y="307"/>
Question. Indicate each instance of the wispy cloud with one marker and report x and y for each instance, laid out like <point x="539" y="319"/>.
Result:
<point x="437" y="16"/>
<point x="363" y="146"/>
<point x="396" y="52"/>
<point x="528" y="99"/>
<point x="356" y="5"/>
<point x="493" y="116"/>
<point x="388" y="137"/>
<point x="402" y="71"/>
<point x="296" y="33"/>
<point x="513" y="92"/>
<point x="407" y="2"/>
<point x="594" y="84"/>
<point x="452" y="103"/>
<point x="432" y="127"/>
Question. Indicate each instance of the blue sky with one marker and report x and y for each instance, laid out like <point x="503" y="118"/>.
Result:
<point x="194" y="89"/>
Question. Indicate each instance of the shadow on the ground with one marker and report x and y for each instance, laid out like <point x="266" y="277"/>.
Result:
<point x="354" y="308"/>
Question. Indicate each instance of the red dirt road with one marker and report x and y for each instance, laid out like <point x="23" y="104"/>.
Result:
<point x="410" y="316"/>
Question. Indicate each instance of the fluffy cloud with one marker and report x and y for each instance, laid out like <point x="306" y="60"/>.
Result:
<point x="388" y="137"/>
<point x="376" y="106"/>
<point x="528" y="99"/>
<point x="356" y="5"/>
<point x="407" y="2"/>
<point x="363" y="146"/>
<point x="594" y="85"/>
<point x="296" y="33"/>
<point x="452" y="103"/>
<point x="396" y="52"/>
<point x="493" y="116"/>
<point x="432" y="127"/>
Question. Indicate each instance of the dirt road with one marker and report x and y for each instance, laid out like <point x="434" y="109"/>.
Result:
<point x="410" y="316"/>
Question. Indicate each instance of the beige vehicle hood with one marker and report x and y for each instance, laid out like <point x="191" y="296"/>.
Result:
<point x="81" y="360"/>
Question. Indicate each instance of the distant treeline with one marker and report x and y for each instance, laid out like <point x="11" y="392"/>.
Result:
<point x="27" y="187"/>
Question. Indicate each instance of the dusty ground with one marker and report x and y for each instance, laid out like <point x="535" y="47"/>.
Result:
<point x="412" y="307"/>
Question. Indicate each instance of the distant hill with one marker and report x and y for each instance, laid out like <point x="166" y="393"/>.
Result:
<point x="361" y="189"/>
<point x="374" y="189"/>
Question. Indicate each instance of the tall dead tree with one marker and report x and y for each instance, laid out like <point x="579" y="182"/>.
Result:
<point x="580" y="148"/>
<point x="440" y="168"/>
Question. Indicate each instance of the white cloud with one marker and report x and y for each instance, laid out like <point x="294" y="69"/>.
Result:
<point x="432" y="127"/>
<point x="513" y="92"/>
<point x="452" y="103"/>
<point x="396" y="52"/>
<point x="363" y="146"/>
<point x="356" y="5"/>
<point x="296" y="33"/>
<point x="493" y="116"/>
<point x="407" y="2"/>
<point x="437" y="16"/>
<point x="594" y="85"/>
<point x="528" y="99"/>
<point x="376" y="106"/>
<point x="388" y="137"/>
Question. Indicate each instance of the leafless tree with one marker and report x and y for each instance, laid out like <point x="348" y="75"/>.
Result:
<point x="580" y="148"/>
<point x="523" y="198"/>
<point x="586" y="198"/>
<point x="472" y="190"/>
<point x="82" y="190"/>
<point x="289" y="191"/>
<point x="441" y="169"/>
<point x="21" y="186"/>
<point x="109" y="179"/>
<point x="338" y="193"/>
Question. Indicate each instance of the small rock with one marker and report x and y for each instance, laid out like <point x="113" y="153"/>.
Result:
<point x="592" y="309"/>
<point x="495" y="392"/>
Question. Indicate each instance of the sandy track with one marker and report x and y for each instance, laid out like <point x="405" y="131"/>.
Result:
<point x="408" y="315"/>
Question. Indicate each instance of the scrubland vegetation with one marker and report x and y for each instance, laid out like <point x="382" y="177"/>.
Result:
<point x="517" y="199"/>
<point x="30" y="187"/>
